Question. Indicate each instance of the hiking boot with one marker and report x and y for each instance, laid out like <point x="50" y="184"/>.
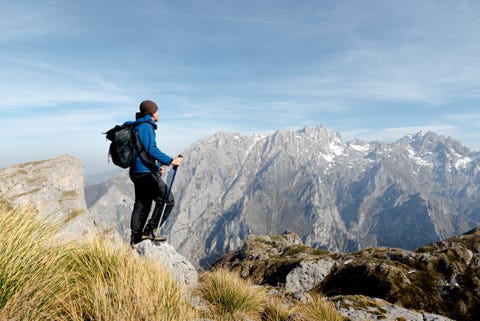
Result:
<point x="134" y="239"/>
<point x="152" y="235"/>
<point x="148" y="235"/>
<point x="160" y="238"/>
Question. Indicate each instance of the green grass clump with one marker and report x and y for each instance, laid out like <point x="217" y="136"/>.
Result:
<point x="230" y="297"/>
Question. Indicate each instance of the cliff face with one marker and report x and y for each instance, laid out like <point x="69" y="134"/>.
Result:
<point x="53" y="188"/>
<point x="111" y="204"/>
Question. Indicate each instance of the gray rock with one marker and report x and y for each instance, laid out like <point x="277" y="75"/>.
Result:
<point x="307" y="274"/>
<point x="303" y="297"/>
<point x="180" y="267"/>
<point x="377" y="309"/>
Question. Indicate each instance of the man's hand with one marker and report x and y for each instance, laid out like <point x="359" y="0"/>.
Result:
<point x="177" y="161"/>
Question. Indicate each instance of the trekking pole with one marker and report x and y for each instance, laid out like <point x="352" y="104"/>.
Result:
<point x="167" y="195"/>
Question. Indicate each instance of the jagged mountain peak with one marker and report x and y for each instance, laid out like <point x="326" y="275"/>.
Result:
<point x="224" y="145"/>
<point x="305" y="145"/>
<point x="293" y="142"/>
<point x="318" y="133"/>
<point x="429" y="151"/>
<point x="217" y="139"/>
<point x="428" y="141"/>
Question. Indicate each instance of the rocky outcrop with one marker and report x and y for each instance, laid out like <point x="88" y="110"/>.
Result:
<point x="279" y="260"/>
<point x="364" y="308"/>
<point x="443" y="277"/>
<point x="440" y="278"/>
<point x="182" y="270"/>
<point x="53" y="188"/>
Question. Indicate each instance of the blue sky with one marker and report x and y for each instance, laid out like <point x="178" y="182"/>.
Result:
<point x="376" y="70"/>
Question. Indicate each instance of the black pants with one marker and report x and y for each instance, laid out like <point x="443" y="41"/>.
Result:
<point x="149" y="187"/>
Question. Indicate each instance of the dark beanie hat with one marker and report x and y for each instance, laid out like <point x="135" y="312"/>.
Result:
<point x="148" y="107"/>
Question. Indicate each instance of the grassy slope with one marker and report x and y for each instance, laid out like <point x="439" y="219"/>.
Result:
<point x="42" y="279"/>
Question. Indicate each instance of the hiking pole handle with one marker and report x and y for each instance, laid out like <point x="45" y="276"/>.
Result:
<point x="176" y="166"/>
<point x="169" y="189"/>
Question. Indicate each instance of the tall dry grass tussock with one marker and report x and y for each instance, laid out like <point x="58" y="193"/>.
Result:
<point x="277" y="310"/>
<point x="122" y="286"/>
<point x="44" y="280"/>
<point x="33" y="282"/>
<point x="319" y="309"/>
<point x="230" y="297"/>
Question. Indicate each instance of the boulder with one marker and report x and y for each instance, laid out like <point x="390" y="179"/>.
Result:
<point x="306" y="275"/>
<point x="182" y="270"/>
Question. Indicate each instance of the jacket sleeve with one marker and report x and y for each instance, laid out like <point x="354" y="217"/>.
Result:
<point x="147" y="137"/>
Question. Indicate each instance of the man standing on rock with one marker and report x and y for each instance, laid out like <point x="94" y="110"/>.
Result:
<point x="145" y="174"/>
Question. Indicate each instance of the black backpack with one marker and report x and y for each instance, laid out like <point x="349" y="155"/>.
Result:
<point x="125" y="146"/>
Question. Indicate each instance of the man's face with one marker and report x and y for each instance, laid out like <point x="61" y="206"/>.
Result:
<point x="155" y="116"/>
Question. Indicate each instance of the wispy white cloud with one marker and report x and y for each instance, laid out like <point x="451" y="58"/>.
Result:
<point x="31" y="83"/>
<point x="238" y="66"/>
<point x="466" y="117"/>
<point x="19" y="21"/>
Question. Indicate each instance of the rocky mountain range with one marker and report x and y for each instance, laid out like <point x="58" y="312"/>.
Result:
<point x="336" y="195"/>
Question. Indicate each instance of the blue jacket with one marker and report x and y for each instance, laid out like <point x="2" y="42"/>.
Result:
<point x="145" y="127"/>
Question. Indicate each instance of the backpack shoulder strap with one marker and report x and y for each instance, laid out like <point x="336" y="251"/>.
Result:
<point x="146" y="158"/>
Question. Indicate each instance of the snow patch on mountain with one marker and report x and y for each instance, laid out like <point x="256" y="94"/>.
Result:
<point x="462" y="163"/>
<point x="364" y="148"/>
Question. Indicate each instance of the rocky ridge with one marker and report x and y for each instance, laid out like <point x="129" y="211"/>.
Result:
<point x="442" y="278"/>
